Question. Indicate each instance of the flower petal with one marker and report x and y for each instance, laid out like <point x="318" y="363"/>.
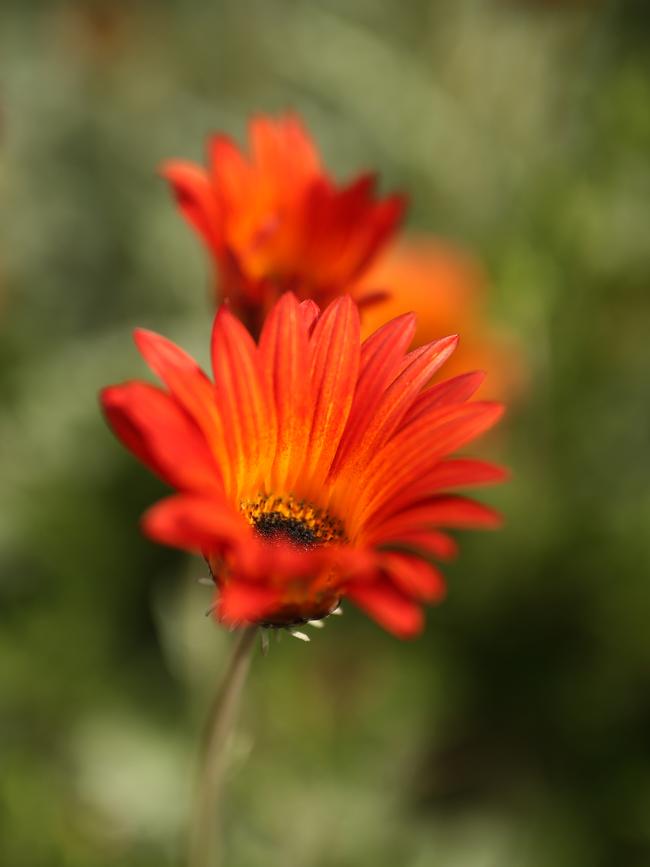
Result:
<point x="310" y="311"/>
<point x="239" y="602"/>
<point x="414" y="576"/>
<point x="243" y="400"/>
<point x="390" y="608"/>
<point x="381" y="354"/>
<point x="195" y="197"/>
<point x="335" y="339"/>
<point x="284" y="353"/>
<point x="414" y="451"/>
<point x="451" y="473"/>
<point x="159" y="432"/>
<point x="201" y="524"/>
<point x="441" y="511"/>
<point x="282" y="149"/>
<point x="231" y="178"/>
<point x="416" y="369"/>
<point x="433" y="542"/>
<point x="190" y="387"/>
<point x="455" y="390"/>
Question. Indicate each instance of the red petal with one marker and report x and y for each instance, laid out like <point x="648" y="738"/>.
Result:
<point x="455" y="390"/>
<point x="452" y="473"/>
<point x="390" y="608"/>
<point x="414" y="451"/>
<point x="374" y="224"/>
<point x="459" y="472"/>
<point x="201" y="524"/>
<point x="240" y="602"/>
<point x="338" y="231"/>
<point x="417" y="368"/>
<point x="155" y="428"/>
<point x="414" y="576"/>
<point x="191" y="388"/>
<point x="195" y="198"/>
<point x="433" y="542"/>
<point x="381" y="354"/>
<point x="450" y="511"/>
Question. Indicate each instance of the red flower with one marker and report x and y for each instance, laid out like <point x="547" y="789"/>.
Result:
<point x="276" y="221"/>
<point x="315" y="467"/>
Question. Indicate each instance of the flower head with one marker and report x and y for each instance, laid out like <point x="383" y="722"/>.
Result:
<point x="446" y="288"/>
<point x="314" y="467"/>
<point x="275" y="221"/>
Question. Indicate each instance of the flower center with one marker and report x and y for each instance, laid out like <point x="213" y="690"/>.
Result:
<point x="287" y="519"/>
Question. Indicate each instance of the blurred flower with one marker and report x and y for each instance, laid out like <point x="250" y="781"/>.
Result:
<point x="446" y="288"/>
<point x="315" y="467"/>
<point x="275" y="221"/>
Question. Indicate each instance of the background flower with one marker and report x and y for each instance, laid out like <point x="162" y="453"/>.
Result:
<point x="447" y="290"/>
<point x="274" y="220"/>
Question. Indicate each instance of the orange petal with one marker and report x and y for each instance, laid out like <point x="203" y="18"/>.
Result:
<point x="334" y="369"/>
<point x="284" y="353"/>
<point x="282" y="149"/>
<point x="243" y="401"/>
<point x="310" y="312"/>
<point x="230" y="173"/>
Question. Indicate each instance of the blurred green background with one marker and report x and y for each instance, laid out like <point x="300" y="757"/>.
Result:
<point x="516" y="731"/>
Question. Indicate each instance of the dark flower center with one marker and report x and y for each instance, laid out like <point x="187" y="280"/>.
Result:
<point x="296" y="521"/>
<point x="275" y="525"/>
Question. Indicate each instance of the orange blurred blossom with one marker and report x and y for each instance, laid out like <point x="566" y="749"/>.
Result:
<point x="447" y="290"/>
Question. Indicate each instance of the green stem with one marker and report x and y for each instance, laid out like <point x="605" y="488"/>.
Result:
<point x="205" y="834"/>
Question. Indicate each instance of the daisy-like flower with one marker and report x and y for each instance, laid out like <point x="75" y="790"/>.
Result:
<point x="275" y="221"/>
<point x="314" y="467"/>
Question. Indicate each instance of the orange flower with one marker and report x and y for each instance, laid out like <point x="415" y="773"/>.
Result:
<point x="275" y="221"/>
<point x="315" y="467"/>
<point x="446" y="289"/>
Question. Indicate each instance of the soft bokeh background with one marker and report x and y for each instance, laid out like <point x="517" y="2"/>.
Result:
<point x="516" y="732"/>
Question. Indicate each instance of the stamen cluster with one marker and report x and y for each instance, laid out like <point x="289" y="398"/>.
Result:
<point x="297" y="521"/>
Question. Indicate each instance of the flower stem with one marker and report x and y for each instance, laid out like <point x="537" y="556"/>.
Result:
<point x="205" y="834"/>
